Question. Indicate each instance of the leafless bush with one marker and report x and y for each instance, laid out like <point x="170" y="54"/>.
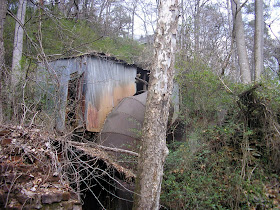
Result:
<point x="90" y="168"/>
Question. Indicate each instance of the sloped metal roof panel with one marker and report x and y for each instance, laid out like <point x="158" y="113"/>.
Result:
<point x="122" y="128"/>
<point x="126" y="121"/>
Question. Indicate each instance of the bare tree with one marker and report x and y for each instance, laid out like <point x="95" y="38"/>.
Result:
<point x="18" y="41"/>
<point x="153" y="150"/>
<point x="198" y="6"/>
<point x="239" y="36"/>
<point x="259" y="39"/>
<point x="134" y="6"/>
<point x="234" y="70"/>
<point x="3" y="10"/>
<point x="17" y="51"/>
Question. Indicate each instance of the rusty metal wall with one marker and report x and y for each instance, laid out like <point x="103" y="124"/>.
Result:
<point x="105" y="83"/>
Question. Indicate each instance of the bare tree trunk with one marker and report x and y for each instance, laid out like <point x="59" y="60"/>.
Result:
<point x="153" y="150"/>
<point x="277" y="57"/>
<point x="196" y="26"/>
<point x="18" y="43"/>
<point x="85" y="12"/>
<point x="259" y="40"/>
<point x="102" y="8"/>
<point x="76" y="9"/>
<point x="182" y="30"/>
<point x="239" y="36"/>
<point x="17" y="54"/>
<point x="134" y="6"/>
<point x="3" y="10"/>
<point x="235" y="73"/>
<point x="107" y="17"/>
<point x="144" y="19"/>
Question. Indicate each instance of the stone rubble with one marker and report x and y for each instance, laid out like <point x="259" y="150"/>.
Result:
<point x="29" y="172"/>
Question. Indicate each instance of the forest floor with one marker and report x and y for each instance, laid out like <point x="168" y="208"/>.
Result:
<point x="29" y="175"/>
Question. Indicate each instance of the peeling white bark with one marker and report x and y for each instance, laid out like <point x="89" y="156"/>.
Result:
<point x="259" y="40"/>
<point x="153" y="150"/>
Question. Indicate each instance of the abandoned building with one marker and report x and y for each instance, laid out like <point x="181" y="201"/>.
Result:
<point x="98" y="93"/>
<point x="90" y="86"/>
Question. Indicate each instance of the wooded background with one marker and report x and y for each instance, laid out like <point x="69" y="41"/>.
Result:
<point x="226" y="142"/>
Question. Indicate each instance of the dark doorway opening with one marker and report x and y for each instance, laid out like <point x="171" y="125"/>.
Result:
<point x="75" y="101"/>
<point x="100" y="186"/>
<point x="142" y="80"/>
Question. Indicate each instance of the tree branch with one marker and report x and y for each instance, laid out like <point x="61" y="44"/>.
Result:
<point x="141" y="80"/>
<point x="104" y="147"/>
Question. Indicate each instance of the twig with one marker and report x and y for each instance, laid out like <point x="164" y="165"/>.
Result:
<point x="276" y="129"/>
<point x="269" y="25"/>
<point x="249" y="178"/>
<point x="12" y="184"/>
<point x="89" y="169"/>
<point x="226" y="86"/>
<point x="239" y="7"/>
<point x="33" y="118"/>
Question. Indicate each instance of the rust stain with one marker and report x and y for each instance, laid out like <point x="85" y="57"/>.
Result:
<point x="121" y="92"/>
<point x="96" y="116"/>
<point x="117" y="94"/>
<point x="105" y="107"/>
<point x="92" y="118"/>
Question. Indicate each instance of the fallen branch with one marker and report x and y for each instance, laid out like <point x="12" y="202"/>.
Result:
<point x="104" y="147"/>
<point x="227" y="88"/>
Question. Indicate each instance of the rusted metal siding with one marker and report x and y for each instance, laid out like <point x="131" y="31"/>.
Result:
<point x="107" y="82"/>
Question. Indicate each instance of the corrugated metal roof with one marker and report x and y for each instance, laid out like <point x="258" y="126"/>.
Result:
<point x="103" y="56"/>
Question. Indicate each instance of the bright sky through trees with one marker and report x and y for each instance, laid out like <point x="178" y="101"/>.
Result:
<point x="148" y="15"/>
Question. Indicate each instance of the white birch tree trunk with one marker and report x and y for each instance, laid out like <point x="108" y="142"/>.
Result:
<point x="182" y="34"/>
<point x="18" y="44"/>
<point x="3" y="10"/>
<point x="235" y="73"/>
<point x="134" y="7"/>
<point x="153" y="150"/>
<point x="239" y="36"/>
<point x="259" y="40"/>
